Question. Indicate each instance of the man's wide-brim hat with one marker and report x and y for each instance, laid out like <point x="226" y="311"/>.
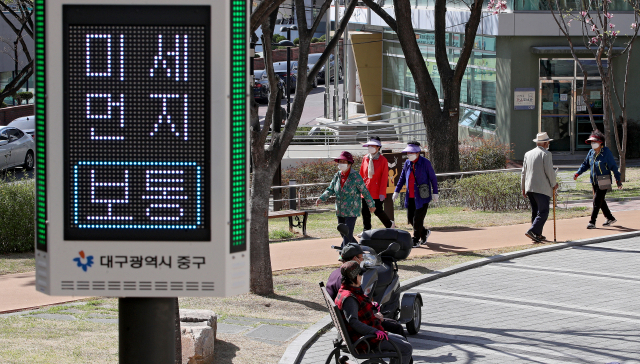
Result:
<point x="344" y="156"/>
<point x="412" y="148"/>
<point x="372" y="143"/>
<point x="542" y="137"/>
<point x="594" y="138"/>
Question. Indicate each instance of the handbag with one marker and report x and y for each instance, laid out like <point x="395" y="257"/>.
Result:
<point x="604" y="182"/>
<point x="425" y="190"/>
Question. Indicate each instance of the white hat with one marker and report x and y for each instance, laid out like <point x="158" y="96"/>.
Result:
<point x="542" y="137"/>
<point x="373" y="142"/>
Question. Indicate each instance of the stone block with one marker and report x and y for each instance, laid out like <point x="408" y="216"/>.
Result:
<point x="198" y="335"/>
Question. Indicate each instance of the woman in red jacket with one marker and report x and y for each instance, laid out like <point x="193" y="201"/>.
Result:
<point x="375" y="173"/>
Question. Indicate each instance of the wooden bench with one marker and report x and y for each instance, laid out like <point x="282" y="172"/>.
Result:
<point x="343" y="343"/>
<point x="291" y="214"/>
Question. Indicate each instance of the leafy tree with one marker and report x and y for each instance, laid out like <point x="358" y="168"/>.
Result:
<point x="440" y="120"/>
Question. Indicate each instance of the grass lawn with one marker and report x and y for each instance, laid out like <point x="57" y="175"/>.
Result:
<point x="323" y="225"/>
<point x="296" y="298"/>
<point x="17" y="263"/>
<point x="582" y="190"/>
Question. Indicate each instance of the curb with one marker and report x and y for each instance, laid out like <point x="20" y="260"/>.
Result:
<point x="294" y="351"/>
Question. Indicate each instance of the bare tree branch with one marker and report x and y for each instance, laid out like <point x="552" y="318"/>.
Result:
<point x="323" y="9"/>
<point x="262" y="12"/>
<point x="470" y="31"/>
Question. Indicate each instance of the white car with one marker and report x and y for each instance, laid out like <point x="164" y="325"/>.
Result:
<point x="16" y="149"/>
<point x="26" y="124"/>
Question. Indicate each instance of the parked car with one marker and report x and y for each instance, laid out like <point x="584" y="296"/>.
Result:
<point x="26" y="123"/>
<point x="280" y="68"/>
<point x="313" y="59"/>
<point x="261" y="86"/>
<point x="16" y="149"/>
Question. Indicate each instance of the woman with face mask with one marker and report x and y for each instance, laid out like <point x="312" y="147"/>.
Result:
<point x="601" y="163"/>
<point x="347" y="186"/>
<point x="375" y="173"/>
<point x="422" y="188"/>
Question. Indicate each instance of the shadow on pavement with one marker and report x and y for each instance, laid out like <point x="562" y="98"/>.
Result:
<point x="310" y="304"/>
<point x="225" y="351"/>
<point x="455" y="229"/>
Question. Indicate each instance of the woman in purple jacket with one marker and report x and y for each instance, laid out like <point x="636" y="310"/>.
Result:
<point x="422" y="187"/>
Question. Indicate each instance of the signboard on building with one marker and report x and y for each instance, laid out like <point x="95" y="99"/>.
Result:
<point x="141" y="165"/>
<point x="524" y="99"/>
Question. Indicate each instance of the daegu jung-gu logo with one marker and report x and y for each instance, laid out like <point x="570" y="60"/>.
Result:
<point x="84" y="262"/>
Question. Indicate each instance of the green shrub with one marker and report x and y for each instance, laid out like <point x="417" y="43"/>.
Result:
<point x="478" y="154"/>
<point x="24" y="96"/>
<point x="315" y="40"/>
<point x="487" y="192"/>
<point x="17" y="199"/>
<point x="323" y="38"/>
<point x="280" y="235"/>
<point x="296" y="41"/>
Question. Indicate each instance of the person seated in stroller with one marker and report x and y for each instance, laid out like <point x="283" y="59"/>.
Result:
<point x="362" y="317"/>
<point x="352" y="252"/>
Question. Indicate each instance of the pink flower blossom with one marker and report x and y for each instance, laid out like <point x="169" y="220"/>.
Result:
<point x="583" y="13"/>
<point x="634" y="25"/>
<point x="612" y="25"/>
<point x="594" y="40"/>
<point x="609" y="15"/>
<point x="593" y="28"/>
<point x="587" y="20"/>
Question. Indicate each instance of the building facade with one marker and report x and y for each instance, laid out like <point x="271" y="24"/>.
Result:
<point x="520" y="79"/>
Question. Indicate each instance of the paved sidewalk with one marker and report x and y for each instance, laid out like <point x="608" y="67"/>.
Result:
<point x="318" y="252"/>
<point x="576" y="305"/>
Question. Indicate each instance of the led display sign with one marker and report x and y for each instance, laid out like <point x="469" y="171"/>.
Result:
<point x="141" y="147"/>
<point x="137" y="121"/>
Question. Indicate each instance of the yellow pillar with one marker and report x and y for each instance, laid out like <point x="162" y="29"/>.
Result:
<point x="367" y="49"/>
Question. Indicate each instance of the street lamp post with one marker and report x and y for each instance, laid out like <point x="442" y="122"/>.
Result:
<point x="289" y="44"/>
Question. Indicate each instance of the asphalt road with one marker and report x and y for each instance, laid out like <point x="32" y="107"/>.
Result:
<point x="313" y="107"/>
<point x="576" y="305"/>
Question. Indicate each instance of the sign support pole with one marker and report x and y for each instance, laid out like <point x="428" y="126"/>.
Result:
<point x="146" y="330"/>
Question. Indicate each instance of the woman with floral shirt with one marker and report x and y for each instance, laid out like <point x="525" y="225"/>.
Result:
<point x="347" y="186"/>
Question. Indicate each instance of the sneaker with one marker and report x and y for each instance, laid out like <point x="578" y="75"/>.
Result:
<point x="416" y="243"/>
<point x="591" y="226"/>
<point x="542" y="237"/>
<point x="610" y="222"/>
<point x="424" y="240"/>
<point x="533" y="236"/>
<point x="393" y="225"/>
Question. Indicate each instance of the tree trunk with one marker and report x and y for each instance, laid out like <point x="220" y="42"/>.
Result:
<point x="261" y="275"/>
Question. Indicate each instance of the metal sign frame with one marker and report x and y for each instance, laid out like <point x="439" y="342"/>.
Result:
<point x="215" y="266"/>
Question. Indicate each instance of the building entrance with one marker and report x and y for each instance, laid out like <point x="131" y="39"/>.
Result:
<point x="563" y="113"/>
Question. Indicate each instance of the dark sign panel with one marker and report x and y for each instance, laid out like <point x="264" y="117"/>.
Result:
<point x="136" y="123"/>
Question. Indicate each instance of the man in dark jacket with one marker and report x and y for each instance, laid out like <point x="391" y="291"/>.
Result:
<point x="353" y="251"/>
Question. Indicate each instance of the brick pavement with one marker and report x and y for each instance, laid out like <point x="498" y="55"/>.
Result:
<point x="576" y="305"/>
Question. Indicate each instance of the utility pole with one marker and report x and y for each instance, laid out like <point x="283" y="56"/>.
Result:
<point x="345" y="76"/>
<point x="336" y="65"/>
<point x="327" y="67"/>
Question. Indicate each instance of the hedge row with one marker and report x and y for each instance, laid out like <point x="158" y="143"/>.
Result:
<point x="17" y="200"/>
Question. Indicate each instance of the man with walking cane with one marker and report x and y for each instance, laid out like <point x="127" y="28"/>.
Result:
<point x="538" y="184"/>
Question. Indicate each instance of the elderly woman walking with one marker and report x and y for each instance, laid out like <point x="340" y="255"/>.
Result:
<point x="601" y="163"/>
<point x="347" y="186"/>
<point x="375" y="173"/>
<point x="422" y="188"/>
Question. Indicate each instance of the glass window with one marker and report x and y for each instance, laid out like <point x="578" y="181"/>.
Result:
<point x="389" y="34"/>
<point x="469" y="117"/>
<point x="489" y="44"/>
<point x="391" y="48"/>
<point x="488" y="89"/>
<point x="394" y="72"/>
<point x="556" y="68"/>
<point x="488" y="121"/>
<point x="391" y="99"/>
<point x="454" y="55"/>
<point x="457" y="40"/>
<point x="4" y="135"/>
<point x="591" y="67"/>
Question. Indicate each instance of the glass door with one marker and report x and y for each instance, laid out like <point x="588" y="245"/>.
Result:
<point x="594" y="99"/>
<point x="556" y="111"/>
